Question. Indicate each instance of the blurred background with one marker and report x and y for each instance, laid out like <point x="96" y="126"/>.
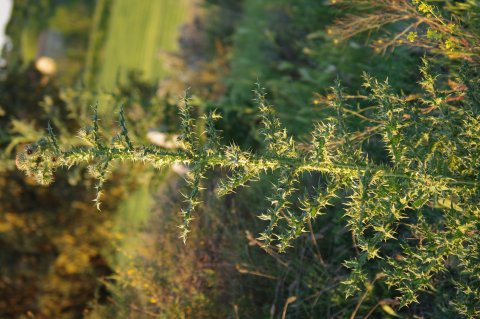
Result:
<point x="61" y="258"/>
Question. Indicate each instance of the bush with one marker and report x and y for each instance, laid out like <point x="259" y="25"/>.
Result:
<point x="415" y="217"/>
<point x="405" y="179"/>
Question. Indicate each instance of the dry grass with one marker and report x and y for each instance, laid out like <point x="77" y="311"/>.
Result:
<point x="418" y="25"/>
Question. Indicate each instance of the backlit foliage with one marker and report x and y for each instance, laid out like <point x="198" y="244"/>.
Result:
<point x="416" y="216"/>
<point x="446" y="27"/>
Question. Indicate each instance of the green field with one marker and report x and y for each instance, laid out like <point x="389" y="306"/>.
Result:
<point x="135" y="34"/>
<point x="138" y="32"/>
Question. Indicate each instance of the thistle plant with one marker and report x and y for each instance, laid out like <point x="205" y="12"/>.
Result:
<point x="447" y="30"/>
<point x="414" y="215"/>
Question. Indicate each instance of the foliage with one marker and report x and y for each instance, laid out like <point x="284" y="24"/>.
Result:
<point x="287" y="46"/>
<point x="383" y="180"/>
<point x="432" y="170"/>
<point x="31" y="18"/>
<point x="156" y="276"/>
<point x="450" y="29"/>
<point x="50" y="252"/>
<point x="54" y="248"/>
<point x="137" y="39"/>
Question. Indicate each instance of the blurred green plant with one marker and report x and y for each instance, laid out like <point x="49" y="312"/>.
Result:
<point x="52" y="247"/>
<point x="399" y="169"/>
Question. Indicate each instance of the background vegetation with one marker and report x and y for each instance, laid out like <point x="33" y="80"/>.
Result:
<point x="366" y="245"/>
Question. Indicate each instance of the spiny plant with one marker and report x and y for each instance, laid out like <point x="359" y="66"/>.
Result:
<point x="446" y="27"/>
<point x="415" y="216"/>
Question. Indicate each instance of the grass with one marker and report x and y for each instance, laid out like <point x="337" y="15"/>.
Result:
<point x="285" y="45"/>
<point x="249" y="59"/>
<point x="138" y="32"/>
<point x="129" y="35"/>
<point x="96" y="38"/>
<point x="132" y="214"/>
<point x="28" y="44"/>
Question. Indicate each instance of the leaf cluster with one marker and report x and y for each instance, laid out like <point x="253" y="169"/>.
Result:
<point x="433" y="166"/>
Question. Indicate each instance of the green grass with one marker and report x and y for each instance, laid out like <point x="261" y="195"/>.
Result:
<point x="132" y="214"/>
<point x="284" y="44"/>
<point x="138" y="31"/>
<point x="96" y="38"/>
<point x="28" y="44"/>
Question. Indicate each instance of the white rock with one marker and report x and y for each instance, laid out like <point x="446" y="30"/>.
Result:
<point x="163" y="139"/>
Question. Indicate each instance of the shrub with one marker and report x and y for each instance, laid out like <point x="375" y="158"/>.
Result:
<point x="447" y="28"/>
<point x="415" y="217"/>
